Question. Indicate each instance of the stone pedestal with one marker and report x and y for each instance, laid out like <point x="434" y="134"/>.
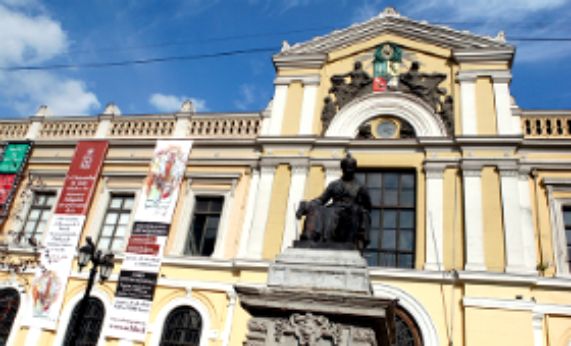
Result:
<point x="317" y="297"/>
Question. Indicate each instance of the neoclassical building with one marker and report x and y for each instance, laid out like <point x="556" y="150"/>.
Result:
<point x="471" y="195"/>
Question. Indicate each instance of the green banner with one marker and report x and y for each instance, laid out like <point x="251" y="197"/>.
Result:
<point x="14" y="157"/>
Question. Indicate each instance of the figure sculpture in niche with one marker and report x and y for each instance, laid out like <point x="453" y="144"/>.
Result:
<point x="340" y="217"/>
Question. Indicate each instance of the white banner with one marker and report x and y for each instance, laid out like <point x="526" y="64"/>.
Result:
<point x="47" y="291"/>
<point x="139" y="273"/>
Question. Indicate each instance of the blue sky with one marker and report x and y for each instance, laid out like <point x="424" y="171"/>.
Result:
<point x="36" y="32"/>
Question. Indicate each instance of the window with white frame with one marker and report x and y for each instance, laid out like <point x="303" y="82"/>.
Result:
<point x="116" y="221"/>
<point x="39" y="213"/>
<point x="204" y="227"/>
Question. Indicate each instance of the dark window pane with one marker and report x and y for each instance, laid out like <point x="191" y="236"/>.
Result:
<point x="406" y="240"/>
<point x="391" y="180"/>
<point x="567" y="217"/>
<point x="568" y="235"/>
<point x="388" y="260"/>
<point x="375" y="180"/>
<point x="390" y="197"/>
<point x="407" y="181"/>
<point x="371" y="258"/>
<point x="389" y="219"/>
<point x="407" y="198"/>
<point x="405" y="261"/>
<point x="9" y="304"/>
<point x="389" y="239"/>
<point x="406" y="219"/>
<point x="375" y="218"/>
<point x="89" y="327"/>
<point x="374" y="238"/>
<point x="375" y="196"/>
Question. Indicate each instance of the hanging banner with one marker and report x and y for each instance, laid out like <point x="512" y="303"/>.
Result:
<point x="153" y="216"/>
<point x="60" y="245"/>
<point x="14" y="158"/>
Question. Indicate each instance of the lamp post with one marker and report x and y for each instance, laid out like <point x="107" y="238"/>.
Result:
<point x="88" y="253"/>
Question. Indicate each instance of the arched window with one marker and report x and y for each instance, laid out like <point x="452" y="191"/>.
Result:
<point x="9" y="304"/>
<point x="182" y="328"/>
<point x="89" y="326"/>
<point x="406" y="331"/>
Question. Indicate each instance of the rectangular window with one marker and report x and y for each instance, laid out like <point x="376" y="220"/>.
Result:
<point x="392" y="237"/>
<point x="115" y="222"/>
<point x="38" y="215"/>
<point x="567" y="222"/>
<point x="204" y="227"/>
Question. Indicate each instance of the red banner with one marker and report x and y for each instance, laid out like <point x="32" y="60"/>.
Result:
<point x="6" y="186"/>
<point x="81" y="177"/>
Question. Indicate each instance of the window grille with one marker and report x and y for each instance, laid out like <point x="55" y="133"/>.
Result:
<point x="89" y="328"/>
<point x="116" y="222"/>
<point x="182" y="327"/>
<point x="392" y="237"/>
<point x="39" y="214"/>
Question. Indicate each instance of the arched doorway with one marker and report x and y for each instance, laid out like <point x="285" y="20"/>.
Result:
<point x="89" y="329"/>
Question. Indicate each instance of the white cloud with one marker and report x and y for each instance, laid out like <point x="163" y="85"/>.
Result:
<point x="33" y="39"/>
<point x="172" y="103"/>
<point x="247" y="97"/>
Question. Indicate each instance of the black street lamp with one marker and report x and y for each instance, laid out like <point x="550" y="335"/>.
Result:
<point x="88" y="253"/>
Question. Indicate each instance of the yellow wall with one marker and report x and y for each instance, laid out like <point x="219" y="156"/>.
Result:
<point x="453" y="215"/>
<point x="292" y="113"/>
<point x="498" y="327"/>
<point x="485" y="107"/>
<point x="315" y="182"/>
<point x="494" y="253"/>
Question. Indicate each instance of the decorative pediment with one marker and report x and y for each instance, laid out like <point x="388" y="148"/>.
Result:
<point x="390" y="22"/>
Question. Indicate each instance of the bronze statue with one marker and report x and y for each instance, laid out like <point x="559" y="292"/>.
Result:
<point x="340" y="217"/>
<point x="423" y="85"/>
<point x="327" y="113"/>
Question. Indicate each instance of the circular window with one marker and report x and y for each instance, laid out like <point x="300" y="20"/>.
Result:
<point x="387" y="128"/>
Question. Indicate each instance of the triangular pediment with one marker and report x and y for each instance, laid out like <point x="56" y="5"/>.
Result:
<point x="392" y="23"/>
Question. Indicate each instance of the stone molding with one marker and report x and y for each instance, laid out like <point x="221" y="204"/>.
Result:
<point x="313" y="79"/>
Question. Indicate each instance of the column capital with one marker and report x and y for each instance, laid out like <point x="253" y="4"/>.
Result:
<point x="472" y="172"/>
<point x="305" y="80"/>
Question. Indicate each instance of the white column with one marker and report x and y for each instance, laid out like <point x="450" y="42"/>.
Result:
<point x="295" y="195"/>
<point x="33" y="336"/>
<point x="103" y="126"/>
<point x="232" y="297"/>
<point x="512" y="218"/>
<point x="278" y="110"/>
<point x="468" y="104"/>
<point x="526" y="223"/>
<point x="308" y="109"/>
<point x="504" y="118"/>
<point x="260" y="218"/>
<point x="332" y="172"/>
<point x="434" y="217"/>
<point x="473" y="219"/>
<point x="537" y="325"/>
<point x="249" y="213"/>
<point x="181" y="126"/>
<point x="35" y="127"/>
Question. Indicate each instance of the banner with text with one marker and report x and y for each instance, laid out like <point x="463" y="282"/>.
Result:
<point x="12" y="164"/>
<point x="60" y="245"/>
<point x="153" y="216"/>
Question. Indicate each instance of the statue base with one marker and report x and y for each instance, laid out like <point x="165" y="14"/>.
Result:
<point x="317" y="297"/>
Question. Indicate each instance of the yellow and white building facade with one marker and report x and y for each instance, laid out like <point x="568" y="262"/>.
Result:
<point x="471" y="218"/>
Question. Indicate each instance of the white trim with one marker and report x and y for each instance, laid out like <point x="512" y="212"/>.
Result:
<point x="295" y="195"/>
<point x="264" y="195"/>
<point x="231" y="307"/>
<point x="68" y="309"/>
<point x="414" y="308"/>
<point x="558" y="233"/>
<point x="308" y="109"/>
<point x="249" y="213"/>
<point x="526" y="223"/>
<point x="33" y="336"/>
<point x="156" y="328"/>
<point x="278" y="110"/>
<point x="468" y="107"/>
<point x="504" y="118"/>
<point x="537" y="320"/>
<point x="474" y="228"/>
<point x="222" y="233"/>
<point x="514" y="245"/>
<point x="495" y="303"/>
<point x="409" y="108"/>
<point x="434" y="221"/>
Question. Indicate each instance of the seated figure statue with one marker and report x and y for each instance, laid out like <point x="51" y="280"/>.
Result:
<point x="340" y="217"/>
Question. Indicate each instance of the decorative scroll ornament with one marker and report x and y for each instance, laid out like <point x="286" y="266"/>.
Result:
<point x="308" y="329"/>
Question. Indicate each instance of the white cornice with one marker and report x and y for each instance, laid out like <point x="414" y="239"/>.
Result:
<point x="302" y="61"/>
<point x="496" y="75"/>
<point x="483" y="55"/>
<point x="313" y="79"/>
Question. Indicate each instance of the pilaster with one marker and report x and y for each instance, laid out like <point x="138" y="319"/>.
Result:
<point x="505" y="121"/>
<point x="473" y="217"/>
<point x="332" y="171"/>
<point x="35" y="127"/>
<point x="526" y="222"/>
<point x="103" y="125"/>
<point x="182" y="125"/>
<point x="512" y="219"/>
<point x="468" y="104"/>
<point x="434" y="175"/>
<point x="278" y="109"/>
<point x="296" y="189"/>
<point x="262" y="206"/>
<point x="249" y="213"/>
<point x="308" y="107"/>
